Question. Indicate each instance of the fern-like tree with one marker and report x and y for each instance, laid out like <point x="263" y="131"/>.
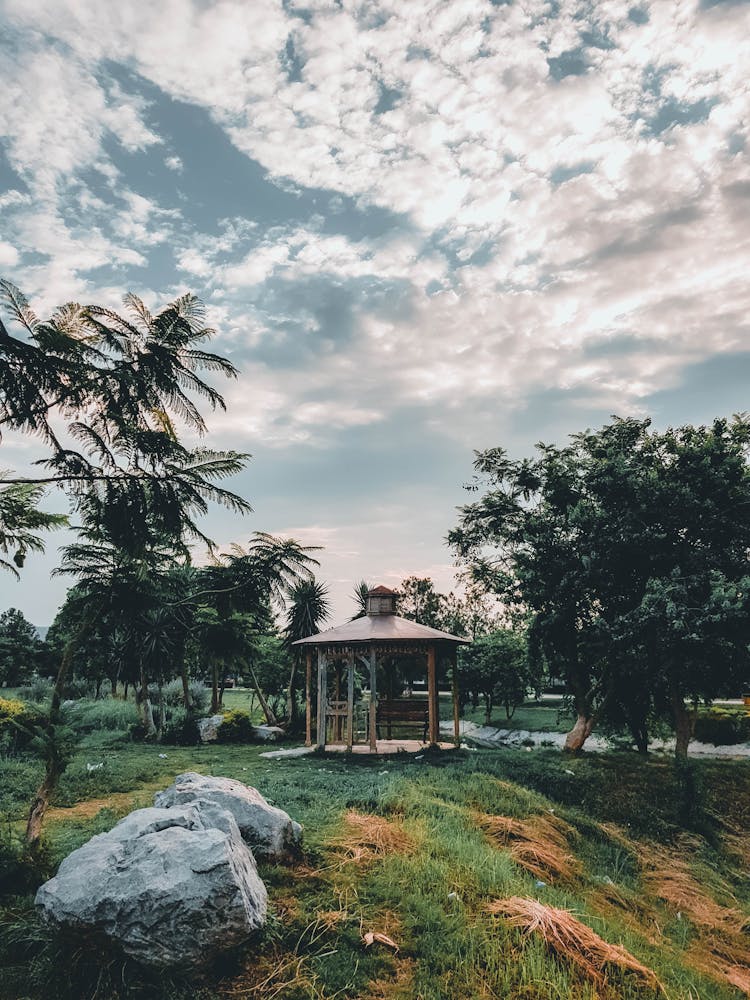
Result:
<point x="107" y="394"/>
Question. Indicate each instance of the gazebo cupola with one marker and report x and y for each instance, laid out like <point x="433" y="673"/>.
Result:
<point x="381" y="601"/>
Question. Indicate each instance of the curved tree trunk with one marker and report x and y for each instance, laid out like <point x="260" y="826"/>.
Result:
<point x="580" y="732"/>
<point x="40" y="802"/>
<point x="267" y="710"/>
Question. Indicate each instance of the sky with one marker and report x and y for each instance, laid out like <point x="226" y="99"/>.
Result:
<point x="421" y="227"/>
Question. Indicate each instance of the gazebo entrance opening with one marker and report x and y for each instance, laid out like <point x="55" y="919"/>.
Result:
<point x="344" y="662"/>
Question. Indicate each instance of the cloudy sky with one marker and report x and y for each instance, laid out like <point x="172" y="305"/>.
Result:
<point x="421" y="226"/>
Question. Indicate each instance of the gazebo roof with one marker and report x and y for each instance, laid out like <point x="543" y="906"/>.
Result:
<point x="380" y="628"/>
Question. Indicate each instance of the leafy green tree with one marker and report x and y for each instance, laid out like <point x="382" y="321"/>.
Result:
<point x="629" y="551"/>
<point x="420" y="602"/>
<point x="496" y="666"/>
<point x="19" y="648"/>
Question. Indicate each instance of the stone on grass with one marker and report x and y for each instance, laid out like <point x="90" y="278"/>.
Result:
<point x="268" y="734"/>
<point x="270" y="832"/>
<point x="171" y="887"/>
<point x="208" y="729"/>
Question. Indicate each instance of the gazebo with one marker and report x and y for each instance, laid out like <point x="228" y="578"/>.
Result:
<point x="378" y="634"/>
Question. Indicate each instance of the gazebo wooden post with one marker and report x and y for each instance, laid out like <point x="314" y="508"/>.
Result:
<point x="456" y="701"/>
<point x="373" y="701"/>
<point x="308" y="697"/>
<point x="322" y="698"/>
<point x="350" y="703"/>
<point x="432" y="696"/>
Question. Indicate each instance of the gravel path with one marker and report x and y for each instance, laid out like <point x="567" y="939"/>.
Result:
<point x="488" y="736"/>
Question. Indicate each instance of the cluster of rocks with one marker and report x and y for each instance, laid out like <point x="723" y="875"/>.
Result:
<point x="176" y="884"/>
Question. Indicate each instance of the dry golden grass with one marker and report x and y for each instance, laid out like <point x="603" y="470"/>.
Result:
<point x="722" y="948"/>
<point x="570" y="939"/>
<point x="540" y="844"/>
<point x="367" y="837"/>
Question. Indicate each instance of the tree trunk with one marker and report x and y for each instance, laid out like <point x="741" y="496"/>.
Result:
<point x="291" y="697"/>
<point x="113" y="686"/>
<point x="125" y="692"/>
<point x="487" y="710"/>
<point x="683" y="723"/>
<point x="55" y="765"/>
<point x="215" y="702"/>
<point x="40" y="803"/>
<point x="185" y="686"/>
<point x="267" y="711"/>
<point x="144" y="705"/>
<point x="580" y="732"/>
<point x="98" y="691"/>
<point x="160" y="727"/>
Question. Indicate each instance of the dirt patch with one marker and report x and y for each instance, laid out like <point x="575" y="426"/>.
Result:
<point x="540" y="844"/>
<point x="570" y="939"/>
<point x="119" y="802"/>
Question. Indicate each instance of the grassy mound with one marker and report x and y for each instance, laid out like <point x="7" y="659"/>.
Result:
<point x="472" y="875"/>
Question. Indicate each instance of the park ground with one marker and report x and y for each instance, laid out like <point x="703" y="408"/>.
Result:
<point x="426" y="851"/>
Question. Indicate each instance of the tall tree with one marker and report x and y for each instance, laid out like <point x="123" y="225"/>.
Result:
<point x="122" y="385"/>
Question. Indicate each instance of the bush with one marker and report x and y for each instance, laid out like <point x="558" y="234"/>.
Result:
<point x="236" y="727"/>
<point x="173" y="695"/>
<point x="38" y="691"/>
<point x="181" y="729"/>
<point x="107" y="713"/>
<point x="723" y="728"/>
<point x="16" y="722"/>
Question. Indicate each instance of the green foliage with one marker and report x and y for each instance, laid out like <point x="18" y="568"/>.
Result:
<point x="722" y="727"/>
<point x="629" y="550"/>
<point x="38" y="691"/>
<point x="18" y="723"/>
<point x="497" y="667"/>
<point x="106" y="713"/>
<point x="236" y="727"/>
<point x="19" y="648"/>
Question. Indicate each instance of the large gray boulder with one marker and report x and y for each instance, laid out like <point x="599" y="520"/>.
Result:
<point x="172" y="887"/>
<point x="270" y="832"/>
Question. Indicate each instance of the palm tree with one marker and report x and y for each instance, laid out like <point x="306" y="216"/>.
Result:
<point x="308" y="609"/>
<point x="247" y="581"/>
<point x="359" y="596"/>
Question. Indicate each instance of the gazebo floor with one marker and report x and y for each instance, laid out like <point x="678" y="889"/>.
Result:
<point x="387" y="746"/>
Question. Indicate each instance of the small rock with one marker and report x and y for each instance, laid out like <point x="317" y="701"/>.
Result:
<point x="268" y="734"/>
<point x="208" y="729"/>
<point x="539" y="884"/>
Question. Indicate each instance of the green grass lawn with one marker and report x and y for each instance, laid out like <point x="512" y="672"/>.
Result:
<point x="430" y="888"/>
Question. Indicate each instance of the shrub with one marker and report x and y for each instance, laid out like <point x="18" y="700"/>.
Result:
<point x="236" y="727"/>
<point x="723" y="728"/>
<point x="38" y="691"/>
<point x="181" y="729"/>
<point x="107" y="713"/>
<point x="17" y="720"/>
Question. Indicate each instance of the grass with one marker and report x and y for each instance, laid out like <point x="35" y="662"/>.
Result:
<point x="429" y="855"/>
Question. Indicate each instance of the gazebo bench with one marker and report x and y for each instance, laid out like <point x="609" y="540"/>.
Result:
<point x="404" y="711"/>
